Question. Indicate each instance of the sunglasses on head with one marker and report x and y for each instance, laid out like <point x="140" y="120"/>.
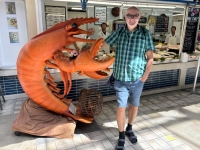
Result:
<point x="132" y="16"/>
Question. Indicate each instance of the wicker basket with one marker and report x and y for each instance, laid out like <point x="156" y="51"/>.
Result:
<point x="90" y="102"/>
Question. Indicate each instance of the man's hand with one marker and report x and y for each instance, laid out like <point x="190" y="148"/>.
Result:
<point x="74" y="52"/>
<point x="143" y="78"/>
<point x="149" y="55"/>
<point x="90" y="31"/>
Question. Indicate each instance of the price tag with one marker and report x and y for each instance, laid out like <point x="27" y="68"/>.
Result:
<point x="72" y="108"/>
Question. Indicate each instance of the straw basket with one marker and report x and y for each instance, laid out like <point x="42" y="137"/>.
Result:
<point x="90" y="102"/>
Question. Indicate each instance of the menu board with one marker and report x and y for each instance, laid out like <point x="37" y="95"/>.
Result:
<point x="191" y="30"/>
<point x="162" y="23"/>
<point x="54" y="15"/>
<point x="101" y="13"/>
<point x="143" y="20"/>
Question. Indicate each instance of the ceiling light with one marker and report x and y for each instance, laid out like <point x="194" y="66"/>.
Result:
<point x="151" y="6"/>
<point x="107" y="3"/>
<point x="145" y="9"/>
<point x="76" y="8"/>
<point x="178" y="15"/>
<point x="68" y="0"/>
<point x="176" y="11"/>
<point x="92" y="2"/>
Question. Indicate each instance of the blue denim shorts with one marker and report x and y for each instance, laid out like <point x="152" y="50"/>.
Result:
<point x="126" y="88"/>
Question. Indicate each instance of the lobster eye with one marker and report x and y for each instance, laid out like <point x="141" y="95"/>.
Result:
<point x="74" y="25"/>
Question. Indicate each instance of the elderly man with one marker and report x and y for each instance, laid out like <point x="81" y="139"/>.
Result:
<point x="133" y="62"/>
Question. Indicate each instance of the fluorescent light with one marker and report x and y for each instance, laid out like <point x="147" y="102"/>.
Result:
<point x="150" y="6"/>
<point x="178" y="15"/>
<point x="176" y="11"/>
<point x="92" y="2"/>
<point x="76" y="8"/>
<point x="68" y="0"/>
<point x="145" y="9"/>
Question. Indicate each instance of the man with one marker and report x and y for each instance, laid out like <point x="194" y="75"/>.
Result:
<point x="81" y="45"/>
<point x="172" y="38"/>
<point x="133" y="62"/>
<point x="103" y="34"/>
<point x="78" y="46"/>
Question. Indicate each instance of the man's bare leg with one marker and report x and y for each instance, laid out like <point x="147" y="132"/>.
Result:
<point x="132" y="113"/>
<point x="121" y="118"/>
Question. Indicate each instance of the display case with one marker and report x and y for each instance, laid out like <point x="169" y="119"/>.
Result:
<point x="164" y="53"/>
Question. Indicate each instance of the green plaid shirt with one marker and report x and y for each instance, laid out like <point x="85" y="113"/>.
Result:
<point x="130" y="61"/>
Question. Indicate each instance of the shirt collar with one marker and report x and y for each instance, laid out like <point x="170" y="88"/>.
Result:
<point x="172" y="35"/>
<point x="127" y="31"/>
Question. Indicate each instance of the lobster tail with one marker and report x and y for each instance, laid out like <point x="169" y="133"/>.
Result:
<point x="32" y="78"/>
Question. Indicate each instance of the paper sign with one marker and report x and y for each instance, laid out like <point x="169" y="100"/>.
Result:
<point x="72" y="108"/>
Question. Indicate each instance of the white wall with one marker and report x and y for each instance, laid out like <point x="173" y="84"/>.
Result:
<point x="177" y="18"/>
<point x="31" y="18"/>
<point x="9" y="51"/>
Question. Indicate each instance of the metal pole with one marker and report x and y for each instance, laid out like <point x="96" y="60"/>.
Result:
<point x="196" y="76"/>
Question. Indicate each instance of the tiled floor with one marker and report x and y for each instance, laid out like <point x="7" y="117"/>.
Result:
<point x="151" y="126"/>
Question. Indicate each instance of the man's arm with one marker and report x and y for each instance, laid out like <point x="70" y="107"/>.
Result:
<point x="149" y="55"/>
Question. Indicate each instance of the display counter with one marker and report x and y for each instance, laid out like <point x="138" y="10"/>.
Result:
<point x="169" y="54"/>
<point x="163" y="77"/>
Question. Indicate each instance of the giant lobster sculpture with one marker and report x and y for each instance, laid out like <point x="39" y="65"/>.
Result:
<point x="45" y="50"/>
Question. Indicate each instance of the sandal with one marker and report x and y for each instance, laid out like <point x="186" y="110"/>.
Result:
<point x="131" y="136"/>
<point x="120" y="147"/>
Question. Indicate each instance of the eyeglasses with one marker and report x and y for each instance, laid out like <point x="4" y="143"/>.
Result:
<point x="132" y="16"/>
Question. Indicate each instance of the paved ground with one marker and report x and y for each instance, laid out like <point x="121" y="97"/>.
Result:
<point x="166" y="121"/>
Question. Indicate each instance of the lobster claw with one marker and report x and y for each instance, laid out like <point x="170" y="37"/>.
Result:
<point x="96" y="74"/>
<point x="91" y="67"/>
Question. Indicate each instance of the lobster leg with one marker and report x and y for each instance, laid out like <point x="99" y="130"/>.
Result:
<point x="81" y="73"/>
<point x="53" y="88"/>
<point x="48" y="74"/>
<point x="58" y="95"/>
<point x="50" y="82"/>
<point x="66" y="101"/>
<point x="79" y="116"/>
<point x="65" y="80"/>
<point x="70" y="82"/>
<point x="57" y="90"/>
<point x="64" y="77"/>
<point x="51" y="65"/>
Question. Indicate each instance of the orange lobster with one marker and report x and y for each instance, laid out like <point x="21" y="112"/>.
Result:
<point x="45" y="50"/>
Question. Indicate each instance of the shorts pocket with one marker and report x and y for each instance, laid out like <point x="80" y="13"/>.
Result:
<point x="141" y="81"/>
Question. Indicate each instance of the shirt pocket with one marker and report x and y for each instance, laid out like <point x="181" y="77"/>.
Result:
<point x="140" y="45"/>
